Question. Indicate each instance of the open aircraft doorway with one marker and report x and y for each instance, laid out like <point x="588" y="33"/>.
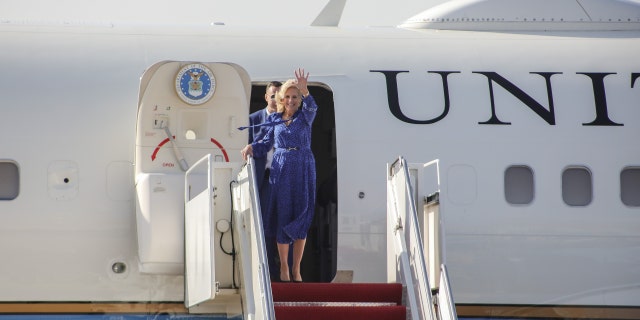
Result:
<point x="319" y="262"/>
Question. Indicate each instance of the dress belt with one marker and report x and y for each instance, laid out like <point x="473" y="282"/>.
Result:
<point x="290" y="148"/>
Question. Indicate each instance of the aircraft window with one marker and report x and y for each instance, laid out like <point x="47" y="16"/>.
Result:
<point x="518" y="185"/>
<point x="577" y="186"/>
<point x="630" y="186"/>
<point x="9" y="180"/>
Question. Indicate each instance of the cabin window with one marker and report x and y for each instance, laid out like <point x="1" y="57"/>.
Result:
<point x="518" y="185"/>
<point x="9" y="180"/>
<point x="630" y="186"/>
<point x="577" y="187"/>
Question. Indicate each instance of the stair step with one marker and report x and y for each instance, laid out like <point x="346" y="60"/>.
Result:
<point x="340" y="313"/>
<point x="352" y="301"/>
<point x="333" y="304"/>
<point x="337" y="292"/>
<point x="337" y="301"/>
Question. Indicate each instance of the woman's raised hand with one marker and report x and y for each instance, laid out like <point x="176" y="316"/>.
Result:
<point x="301" y="78"/>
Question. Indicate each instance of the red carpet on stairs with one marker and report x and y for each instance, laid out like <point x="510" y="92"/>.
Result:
<point x="352" y="301"/>
<point x="340" y="313"/>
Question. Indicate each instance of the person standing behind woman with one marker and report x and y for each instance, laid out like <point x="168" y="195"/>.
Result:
<point x="263" y="164"/>
<point x="293" y="171"/>
<point x="256" y="132"/>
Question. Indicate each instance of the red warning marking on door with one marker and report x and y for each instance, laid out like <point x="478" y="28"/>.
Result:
<point x="224" y="152"/>
<point x="214" y="141"/>
<point x="155" y="152"/>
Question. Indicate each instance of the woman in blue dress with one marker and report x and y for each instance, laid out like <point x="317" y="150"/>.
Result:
<point x="293" y="171"/>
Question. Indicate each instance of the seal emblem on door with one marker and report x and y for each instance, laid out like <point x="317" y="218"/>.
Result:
<point x="195" y="84"/>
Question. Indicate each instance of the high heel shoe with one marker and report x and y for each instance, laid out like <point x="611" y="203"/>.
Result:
<point x="289" y="280"/>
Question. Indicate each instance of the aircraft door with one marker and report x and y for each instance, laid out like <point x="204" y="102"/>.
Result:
<point x="186" y="110"/>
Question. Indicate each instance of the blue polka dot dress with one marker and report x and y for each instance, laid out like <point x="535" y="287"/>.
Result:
<point x="293" y="174"/>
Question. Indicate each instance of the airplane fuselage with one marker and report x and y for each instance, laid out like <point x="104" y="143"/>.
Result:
<point x="481" y="102"/>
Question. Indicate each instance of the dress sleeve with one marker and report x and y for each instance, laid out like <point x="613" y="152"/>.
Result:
<point x="261" y="147"/>
<point x="309" y="109"/>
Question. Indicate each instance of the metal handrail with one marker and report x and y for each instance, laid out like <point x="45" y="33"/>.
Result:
<point x="265" y="298"/>
<point x="446" y="306"/>
<point x="265" y="278"/>
<point x="414" y="275"/>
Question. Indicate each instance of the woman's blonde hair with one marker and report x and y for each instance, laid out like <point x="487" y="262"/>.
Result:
<point x="291" y="83"/>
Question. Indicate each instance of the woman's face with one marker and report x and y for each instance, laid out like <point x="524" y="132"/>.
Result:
<point x="291" y="100"/>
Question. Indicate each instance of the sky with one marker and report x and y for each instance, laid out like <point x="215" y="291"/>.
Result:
<point x="271" y="13"/>
<point x="229" y="12"/>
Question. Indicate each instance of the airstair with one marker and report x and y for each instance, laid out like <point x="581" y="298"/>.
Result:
<point x="414" y="246"/>
<point x="409" y="294"/>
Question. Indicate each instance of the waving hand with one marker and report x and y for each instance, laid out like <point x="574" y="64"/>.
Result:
<point x="301" y="78"/>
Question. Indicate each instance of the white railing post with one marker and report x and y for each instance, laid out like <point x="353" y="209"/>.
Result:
<point x="446" y="307"/>
<point x="404" y="232"/>
<point x="256" y="283"/>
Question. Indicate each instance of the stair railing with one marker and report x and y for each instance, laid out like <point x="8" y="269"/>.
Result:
<point x="256" y="284"/>
<point x="446" y="306"/>
<point x="405" y="240"/>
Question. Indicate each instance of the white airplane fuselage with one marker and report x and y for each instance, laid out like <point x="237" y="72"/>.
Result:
<point x="480" y="102"/>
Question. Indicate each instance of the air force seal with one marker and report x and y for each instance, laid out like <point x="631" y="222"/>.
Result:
<point x="195" y="84"/>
